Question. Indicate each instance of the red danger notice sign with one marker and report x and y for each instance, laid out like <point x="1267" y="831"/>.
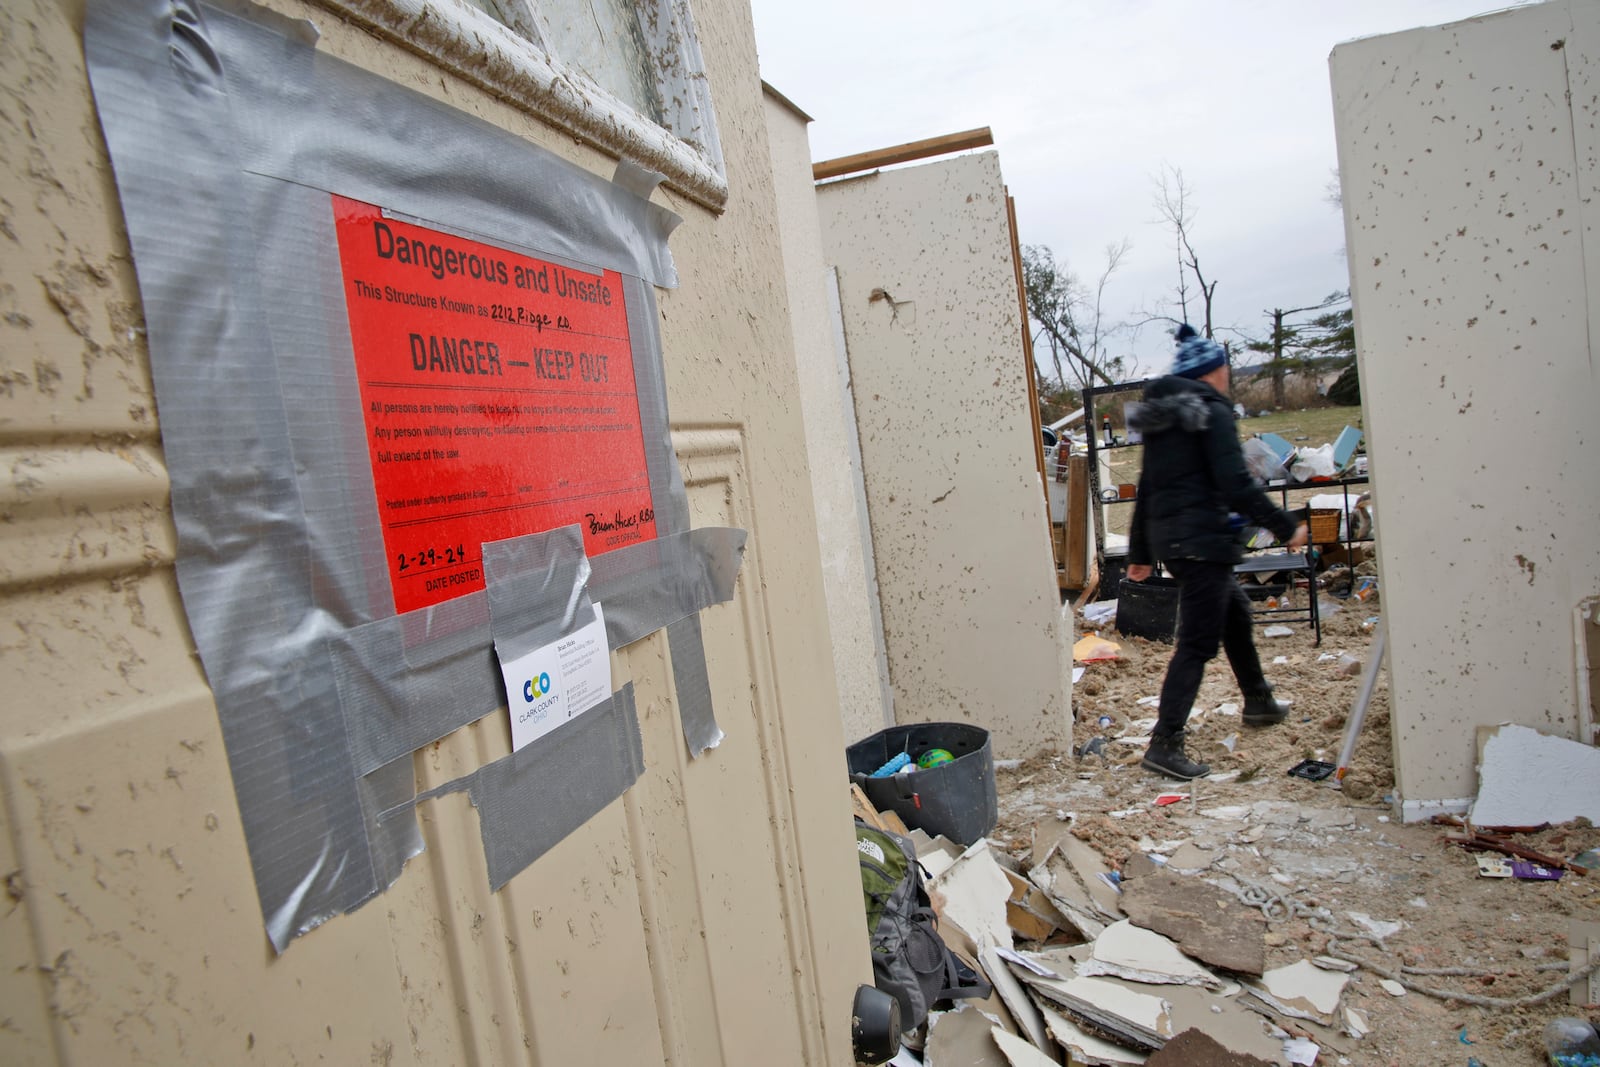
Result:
<point x="498" y="395"/>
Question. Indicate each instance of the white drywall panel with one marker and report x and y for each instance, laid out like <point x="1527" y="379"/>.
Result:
<point x="971" y="612"/>
<point x="1469" y="180"/>
<point x="1527" y="778"/>
<point x="849" y="585"/>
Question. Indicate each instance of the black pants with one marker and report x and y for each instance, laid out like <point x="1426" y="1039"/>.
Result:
<point x="1212" y="610"/>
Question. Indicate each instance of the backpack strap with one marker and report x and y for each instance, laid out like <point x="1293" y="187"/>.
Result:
<point x="962" y="982"/>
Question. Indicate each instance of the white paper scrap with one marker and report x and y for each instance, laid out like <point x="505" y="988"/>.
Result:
<point x="554" y="684"/>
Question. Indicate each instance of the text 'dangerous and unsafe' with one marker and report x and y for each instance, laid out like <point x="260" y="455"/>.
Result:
<point x="499" y="400"/>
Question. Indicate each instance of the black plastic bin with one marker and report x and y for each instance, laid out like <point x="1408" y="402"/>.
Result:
<point x="956" y="799"/>
<point x="1148" y="608"/>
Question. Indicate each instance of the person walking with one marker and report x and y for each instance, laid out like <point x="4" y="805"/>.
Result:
<point x="1192" y="482"/>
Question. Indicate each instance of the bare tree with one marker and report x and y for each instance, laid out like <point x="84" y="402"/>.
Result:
<point x="1173" y="197"/>
<point x="1071" y="317"/>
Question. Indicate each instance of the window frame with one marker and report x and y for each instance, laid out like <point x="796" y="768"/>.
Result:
<point x="519" y="69"/>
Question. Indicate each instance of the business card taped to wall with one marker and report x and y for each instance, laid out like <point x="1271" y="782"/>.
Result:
<point x="553" y="685"/>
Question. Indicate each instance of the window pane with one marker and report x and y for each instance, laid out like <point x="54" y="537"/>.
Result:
<point x="604" y="39"/>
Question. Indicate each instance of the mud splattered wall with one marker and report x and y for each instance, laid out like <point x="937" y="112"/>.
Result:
<point x="850" y="587"/>
<point x="970" y="609"/>
<point x="1467" y="155"/>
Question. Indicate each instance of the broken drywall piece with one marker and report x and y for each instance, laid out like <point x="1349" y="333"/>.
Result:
<point x="962" y="1038"/>
<point x="1356" y="1023"/>
<point x="1223" y="1018"/>
<point x="936" y="854"/>
<point x="1046" y="834"/>
<point x="1378" y="928"/>
<point x="1056" y="878"/>
<point x="1302" y="991"/>
<point x="1062" y="959"/>
<point x="1192" y="1048"/>
<point x="1139" y="1020"/>
<point x="1191" y="857"/>
<point x="1014" y="997"/>
<point x="1301" y="1051"/>
<point x="1093" y="871"/>
<point x="975" y="891"/>
<point x="1137" y="866"/>
<point x="1084" y="1047"/>
<point x="1526" y="777"/>
<point x="1124" y="950"/>
<point x="1029" y="911"/>
<point x="1391" y="987"/>
<point x="1206" y="922"/>
<point x="1019" y="1053"/>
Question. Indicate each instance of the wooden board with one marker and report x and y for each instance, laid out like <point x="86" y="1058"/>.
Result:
<point x="1076" y="547"/>
<point x="864" y="810"/>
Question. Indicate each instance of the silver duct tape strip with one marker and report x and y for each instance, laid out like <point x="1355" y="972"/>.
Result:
<point x="666" y="480"/>
<point x="639" y="180"/>
<point x="689" y="677"/>
<point x="696" y="715"/>
<point x="399" y="692"/>
<point x="528" y="801"/>
<point x="538" y="589"/>
<point x="647" y="586"/>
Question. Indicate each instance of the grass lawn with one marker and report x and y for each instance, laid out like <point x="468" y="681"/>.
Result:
<point x="1308" y="428"/>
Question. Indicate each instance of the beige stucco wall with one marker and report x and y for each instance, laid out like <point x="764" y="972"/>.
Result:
<point x="849" y="583"/>
<point x="972" y="618"/>
<point x="1469" y="185"/>
<point x="710" y="916"/>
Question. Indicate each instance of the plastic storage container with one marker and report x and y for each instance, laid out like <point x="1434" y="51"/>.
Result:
<point x="956" y="799"/>
<point x="1571" y="1042"/>
<point x="1148" y="608"/>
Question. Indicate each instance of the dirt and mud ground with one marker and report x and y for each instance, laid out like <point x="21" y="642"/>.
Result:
<point x="1322" y="847"/>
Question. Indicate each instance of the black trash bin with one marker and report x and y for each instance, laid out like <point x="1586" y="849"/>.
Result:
<point x="956" y="799"/>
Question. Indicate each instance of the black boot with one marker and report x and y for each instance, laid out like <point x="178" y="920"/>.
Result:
<point x="1165" y="756"/>
<point x="1261" y="709"/>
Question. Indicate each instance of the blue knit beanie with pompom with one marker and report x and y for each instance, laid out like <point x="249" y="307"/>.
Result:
<point x="1197" y="356"/>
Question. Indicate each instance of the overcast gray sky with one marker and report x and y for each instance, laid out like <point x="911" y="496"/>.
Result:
<point x="1089" y="100"/>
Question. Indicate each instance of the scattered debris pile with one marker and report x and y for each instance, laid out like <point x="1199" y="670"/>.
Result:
<point x="1189" y="933"/>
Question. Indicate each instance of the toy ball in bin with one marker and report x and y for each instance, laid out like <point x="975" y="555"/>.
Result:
<point x="951" y="793"/>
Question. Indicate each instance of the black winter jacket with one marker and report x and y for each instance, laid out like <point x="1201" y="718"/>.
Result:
<point x="1194" y="475"/>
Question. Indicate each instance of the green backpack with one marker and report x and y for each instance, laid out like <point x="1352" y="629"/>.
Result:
<point x="910" y="961"/>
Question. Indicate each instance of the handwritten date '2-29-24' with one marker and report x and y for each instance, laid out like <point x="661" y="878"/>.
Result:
<point x="424" y="558"/>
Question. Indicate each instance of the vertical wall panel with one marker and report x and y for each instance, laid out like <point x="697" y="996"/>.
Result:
<point x="1469" y="187"/>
